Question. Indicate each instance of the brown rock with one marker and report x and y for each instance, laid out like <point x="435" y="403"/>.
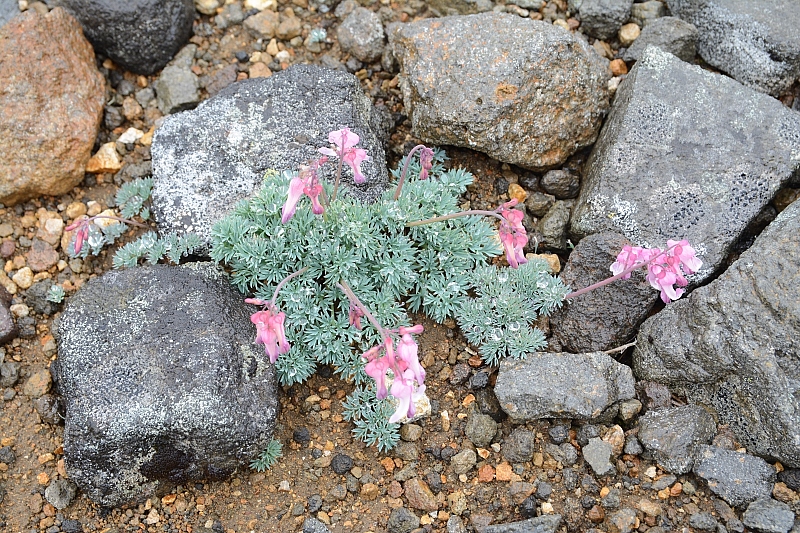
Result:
<point x="131" y="108"/>
<point x="288" y="28"/>
<point x="504" y="472"/>
<point x="519" y="490"/>
<point x="783" y="493"/>
<point x="260" y="70"/>
<point x="105" y="160"/>
<point x="38" y="384"/>
<point x="486" y="474"/>
<point x="7" y="249"/>
<point x="262" y="25"/>
<point x="616" y="438"/>
<point x="395" y="490"/>
<point x="419" y="496"/>
<point x="516" y="192"/>
<point x="41" y="256"/>
<point x="596" y="514"/>
<point x="51" y="105"/>
<point x="370" y="491"/>
<point x="618" y="67"/>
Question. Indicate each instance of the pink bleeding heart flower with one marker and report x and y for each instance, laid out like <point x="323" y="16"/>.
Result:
<point x="354" y="316"/>
<point x="344" y="144"/>
<point x="306" y="182"/>
<point x="270" y="332"/>
<point x="425" y="162"/>
<point x="512" y="234"/>
<point x="407" y="351"/>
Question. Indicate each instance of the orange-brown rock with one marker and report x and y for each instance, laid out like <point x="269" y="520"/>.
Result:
<point x="51" y="105"/>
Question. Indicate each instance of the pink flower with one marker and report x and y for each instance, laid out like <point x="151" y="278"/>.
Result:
<point x="270" y="333"/>
<point x="344" y="142"/>
<point x="406" y="393"/>
<point x="306" y="182"/>
<point x="686" y="254"/>
<point x="512" y="234"/>
<point x="664" y="279"/>
<point x="407" y="351"/>
<point x="354" y="316"/>
<point x="629" y="256"/>
<point x="296" y="187"/>
<point x="377" y="367"/>
<point x="664" y="269"/>
<point x="426" y="162"/>
<point x="82" y="225"/>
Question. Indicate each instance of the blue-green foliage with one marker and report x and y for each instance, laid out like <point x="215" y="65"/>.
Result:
<point x="268" y="456"/>
<point x="132" y="196"/>
<point x="55" y="294"/>
<point x="152" y="248"/>
<point x="392" y="268"/>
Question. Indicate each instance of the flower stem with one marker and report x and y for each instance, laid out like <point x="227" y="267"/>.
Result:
<point x="353" y="298"/>
<point x="405" y="169"/>
<point x="338" y="174"/>
<point x="284" y="282"/>
<point x="125" y="220"/>
<point x="471" y="212"/>
<point x="612" y="279"/>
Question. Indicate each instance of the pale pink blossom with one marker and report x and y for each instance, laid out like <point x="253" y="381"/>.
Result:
<point x="665" y="269"/>
<point x="306" y="182"/>
<point x="270" y="332"/>
<point x="512" y="234"/>
<point x="425" y="162"/>
<point x="344" y="144"/>
<point x="354" y="316"/>
<point x="406" y="393"/>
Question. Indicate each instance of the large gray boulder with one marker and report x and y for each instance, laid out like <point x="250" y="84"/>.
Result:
<point x="207" y="159"/>
<point x="161" y="381"/>
<point x="522" y="91"/>
<point x="686" y="154"/>
<point x="562" y="385"/>
<point x="138" y="35"/>
<point x="757" y="42"/>
<point x="734" y="344"/>
<point x="606" y="317"/>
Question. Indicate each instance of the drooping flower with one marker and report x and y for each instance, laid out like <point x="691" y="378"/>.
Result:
<point x="306" y="182"/>
<point x="665" y="269"/>
<point x="512" y="234"/>
<point x="296" y="187"/>
<point x="407" y="351"/>
<point x="426" y="162"/>
<point x="406" y="393"/>
<point x="270" y="332"/>
<point x="354" y="316"/>
<point x="344" y="144"/>
<point x="686" y="254"/>
<point x="629" y="256"/>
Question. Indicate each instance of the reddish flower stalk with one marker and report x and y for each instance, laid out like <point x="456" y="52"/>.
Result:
<point x="82" y="224"/>
<point x="425" y="161"/>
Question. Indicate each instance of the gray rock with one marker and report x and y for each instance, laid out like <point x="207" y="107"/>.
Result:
<point x="498" y="79"/>
<point x="598" y="454"/>
<point x="703" y="521"/>
<point x="463" y="461"/>
<point x="456" y="525"/>
<point x="670" y="34"/>
<point x="177" y="86"/>
<point x="534" y="5"/>
<point x="566" y="454"/>
<point x="48" y="408"/>
<point x="401" y="520"/>
<point x="623" y="520"/>
<point x="9" y="374"/>
<point x="231" y="15"/>
<point x="206" y="160"/>
<point x="540" y="524"/>
<point x="519" y="446"/>
<point x="161" y="381"/>
<point x="7" y="455"/>
<point x="602" y="19"/>
<point x="60" y="493"/>
<point x="647" y="12"/>
<point x="649" y="175"/>
<point x="606" y="317"/>
<point x="312" y="525"/>
<point x="738" y="345"/>
<point x="663" y="482"/>
<point x="755" y="41"/>
<point x="8" y="329"/>
<point x="562" y="184"/>
<point x="672" y="435"/>
<point x="632" y="446"/>
<point x="562" y="385"/>
<point x="737" y="478"/>
<point x="8" y="10"/>
<point x="361" y="34"/>
<point x="480" y="429"/>
<point x="36" y="298"/>
<point x="538" y="204"/>
<point x="138" y="35"/>
<point x="766" y="515"/>
<point x="444" y="8"/>
<point x="553" y="226"/>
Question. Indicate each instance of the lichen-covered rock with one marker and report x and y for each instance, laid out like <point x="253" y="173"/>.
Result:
<point x="671" y="34"/>
<point x="686" y="154"/>
<point x="738" y="478"/>
<point x="51" y="105"/>
<point x="139" y="35"/>
<point x="522" y="91"/>
<point x="606" y="317"/>
<point x="361" y="34"/>
<point x="755" y="41"/>
<point x="207" y="159"/>
<point x="734" y="344"/>
<point x="673" y="435"/>
<point x="562" y="385"/>
<point x="161" y="381"/>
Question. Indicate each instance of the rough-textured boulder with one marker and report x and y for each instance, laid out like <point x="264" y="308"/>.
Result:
<point x="738" y="478"/>
<point x="51" y="105"/>
<point x="207" y="159"/>
<point x="8" y="10"/>
<point x="755" y="41"/>
<point x="161" y="381"/>
<point x="602" y="19"/>
<point x="734" y="344"/>
<point x="522" y="91"/>
<point x="686" y="154"/>
<point x="139" y="35"/>
<point x="177" y="87"/>
<point x="361" y="34"/>
<point x="671" y="34"/>
<point x="673" y="435"/>
<point x="648" y="12"/>
<point x="562" y="385"/>
<point x="606" y="317"/>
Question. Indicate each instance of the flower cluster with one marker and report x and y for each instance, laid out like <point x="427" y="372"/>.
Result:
<point x="269" y="329"/>
<point x="512" y="234"/>
<point x="344" y="144"/>
<point x="408" y="383"/>
<point x="307" y="182"/>
<point x="665" y="268"/>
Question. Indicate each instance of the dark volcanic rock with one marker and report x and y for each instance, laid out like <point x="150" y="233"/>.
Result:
<point x="602" y="19"/>
<point x="755" y="41"/>
<point x="522" y="91"/>
<point x="561" y="385"/>
<point x="679" y="159"/>
<point x="161" y="381"/>
<point x="766" y="515"/>
<point x="737" y="346"/>
<point x="207" y="159"/>
<point x="8" y="329"/>
<point x="673" y="435"/>
<point x="139" y="35"/>
<point x="671" y="34"/>
<point x="540" y="524"/>
<point x="606" y="317"/>
<point x="737" y="478"/>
